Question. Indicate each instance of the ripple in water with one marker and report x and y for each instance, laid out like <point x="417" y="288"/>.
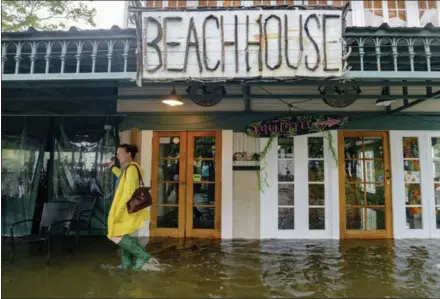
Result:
<point x="267" y="269"/>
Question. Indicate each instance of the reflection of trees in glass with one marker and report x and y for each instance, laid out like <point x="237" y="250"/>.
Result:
<point x="204" y="147"/>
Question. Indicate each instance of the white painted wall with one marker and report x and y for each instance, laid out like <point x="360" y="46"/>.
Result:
<point x="227" y="185"/>
<point x="428" y="221"/>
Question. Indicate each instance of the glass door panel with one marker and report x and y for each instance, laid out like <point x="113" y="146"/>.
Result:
<point x="365" y="184"/>
<point x="203" y="195"/>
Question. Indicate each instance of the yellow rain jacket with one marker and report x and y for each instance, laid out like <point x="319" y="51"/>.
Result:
<point x="120" y="222"/>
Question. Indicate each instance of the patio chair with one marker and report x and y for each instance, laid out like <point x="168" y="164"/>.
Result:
<point x="82" y="219"/>
<point x="55" y="220"/>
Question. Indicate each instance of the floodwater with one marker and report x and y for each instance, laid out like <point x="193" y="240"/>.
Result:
<point x="235" y="269"/>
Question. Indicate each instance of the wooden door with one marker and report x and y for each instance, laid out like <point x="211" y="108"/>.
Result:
<point x="364" y="185"/>
<point x="186" y="185"/>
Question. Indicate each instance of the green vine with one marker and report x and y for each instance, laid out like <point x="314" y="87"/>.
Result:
<point x="261" y="159"/>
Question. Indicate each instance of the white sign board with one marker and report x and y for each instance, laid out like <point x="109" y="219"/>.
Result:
<point x="228" y="44"/>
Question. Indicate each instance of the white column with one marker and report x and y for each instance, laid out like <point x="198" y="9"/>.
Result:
<point x="146" y="152"/>
<point x="227" y="184"/>
<point x="332" y="204"/>
<point x="357" y="8"/>
<point x="269" y="194"/>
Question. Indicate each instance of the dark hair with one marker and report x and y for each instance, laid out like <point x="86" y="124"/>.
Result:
<point x="130" y="148"/>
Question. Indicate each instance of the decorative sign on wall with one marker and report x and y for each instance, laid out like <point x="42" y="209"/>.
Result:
<point x="295" y="125"/>
<point x="242" y="43"/>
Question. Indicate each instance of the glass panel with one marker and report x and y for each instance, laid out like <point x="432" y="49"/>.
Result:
<point x="316" y="218"/>
<point x="437" y="194"/>
<point x="435" y="141"/>
<point x="373" y="147"/>
<point x="413" y="195"/>
<point x="374" y="171"/>
<point x="286" y="218"/>
<point x="316" y="147"/>
<point x="285" y="148"/>
<point x="437" y="170"/>
<point x="414" y="218"/>
<point x="316" y="194"/>
<point x="286" y="194"/>
<point x="204" y="147"/>
<point x="410" y="147"/>
<point x="375" y="218"/>
<point x="204" y="170"/>
<point x="354" y="194"/>
<point x="167" y="217"/>
<point x="354" y="218"/>
<point x="203" y="218"/>
<point x="286" y="170"/>
<point x="316" y="171"/>
<point x="352" y="147"/>
<point x="169" y="147"/>
<point x="168" y="170"/>
<point x="375" y="194"/>
<point x="204" y="194"/>
<point x="167" y="193"/>
<point x="353" y="171"/>
<point x="412" y="171"/>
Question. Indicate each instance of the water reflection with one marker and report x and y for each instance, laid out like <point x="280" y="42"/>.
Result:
<point x="240" y="269"/>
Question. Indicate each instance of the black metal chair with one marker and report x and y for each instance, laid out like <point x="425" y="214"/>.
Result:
<point x="82" y="219"/>
<point x="55" y="220"/>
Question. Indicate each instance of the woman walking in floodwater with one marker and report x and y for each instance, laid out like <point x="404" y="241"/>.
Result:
<point x="121" y="223"/>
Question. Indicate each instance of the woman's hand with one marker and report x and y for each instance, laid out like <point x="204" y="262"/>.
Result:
<point x="109" y="164"/>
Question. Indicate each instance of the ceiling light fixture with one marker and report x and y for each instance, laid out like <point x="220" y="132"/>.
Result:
<point x="173" y="99"/>
<point x="385" y="98"/>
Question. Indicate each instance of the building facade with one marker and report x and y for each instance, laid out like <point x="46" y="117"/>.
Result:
<point x="376" y="174"/>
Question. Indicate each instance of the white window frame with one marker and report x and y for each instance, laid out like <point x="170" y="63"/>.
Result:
<point x="435" y="233"/>
<point x="398" y="185"/>
<point x="269" y="194"/>
<point x="411" y="8"/>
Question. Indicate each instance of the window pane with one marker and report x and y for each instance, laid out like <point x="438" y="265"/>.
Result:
<point x="203" y="218"/>
<point x="413" y="195"/>
<point x="316" y="171"/>
<point x="285" y="148"/>
<point x="414" y="218"/>
<point x="286" y="217"/>
<point x="375" y="194"/>
<point x="375" y="218"/>
<point x="410" y="147"/>
<point x="352" y="147"/>
<point x="316" y="194"/>
<point x="354" y="194"/>
<point x="316" y="218"/>
<point x="373" y="148"/>
<point x="316" y="147"/>
<point x="169" y="147"/>
<point x="435" y="142"/>
<point x="354" y="219"/>
<point x="204" y="194"/>
<point x="167" y="217"/>
<point x="167" y="193"/>
<point x="286" y="194"/>
<point x="286" y="171"/>
<point x="204" y="147"/>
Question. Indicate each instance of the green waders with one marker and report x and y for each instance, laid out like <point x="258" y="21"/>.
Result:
<point x="131" y="247"/>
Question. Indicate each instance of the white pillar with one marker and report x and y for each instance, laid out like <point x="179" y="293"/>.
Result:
<point x="227" y="185"/>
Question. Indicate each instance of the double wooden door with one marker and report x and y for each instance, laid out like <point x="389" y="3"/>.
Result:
<point x="186" y="185"/>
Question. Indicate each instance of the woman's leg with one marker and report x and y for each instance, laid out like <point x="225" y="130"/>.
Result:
<point x="126" y="257"/>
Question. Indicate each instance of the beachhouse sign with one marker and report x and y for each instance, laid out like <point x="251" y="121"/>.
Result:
<point x="295" y="125"/>
<point x="242" y="43"/>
